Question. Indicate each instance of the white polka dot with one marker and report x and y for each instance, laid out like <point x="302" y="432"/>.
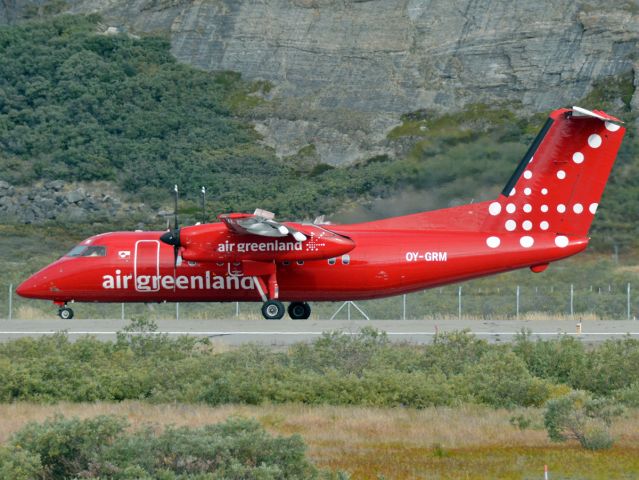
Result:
<point x="544" y="225"/>
<point x="544" y="191"/>
<point x="561" y="208"/>
<point x="611" y="127"/>
<point x="561" y="174"/>
<point x="527" y="225"/>
<point x="593" y="208"/>
<point x="527" y="174"/>
<point x="544" y="208"/>
<point x="513" y="191"/>
<point x="527" y="191"/>
<point x="577" y="157"/>
<point x="493" y="242"/>
<point x="577" y="208"/>
<point x="494" y="208"/>
<point x="510" y="208"/>
<point x="594" y="140"/>
<point x="526" y="241"/>
<point x="561" y="241"/>
<point x="511" y="225"/>
<point x="528" y="208"/>
<point x="531" y="159"/>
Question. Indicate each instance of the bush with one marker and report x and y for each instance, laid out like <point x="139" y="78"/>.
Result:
<point x="104" y="447"/>
<point x="18" y="464"/>
<point x="579" y="417"/>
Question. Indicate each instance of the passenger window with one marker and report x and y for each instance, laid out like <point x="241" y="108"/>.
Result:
<point x="286" y="262"/>
<point x="300" y="262"/>
<point x="94" y="251"/>
<point x="346" y="259"/>
<point x="331" y="261"/>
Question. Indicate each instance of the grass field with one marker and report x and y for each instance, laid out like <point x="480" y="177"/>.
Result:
<point x="468" y="442"/>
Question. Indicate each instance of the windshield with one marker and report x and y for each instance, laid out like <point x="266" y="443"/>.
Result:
<point x="87" y="251"/>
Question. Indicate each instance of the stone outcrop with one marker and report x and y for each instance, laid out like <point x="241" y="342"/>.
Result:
<point x="62" y="202"/>
<point x="343" y="71"/>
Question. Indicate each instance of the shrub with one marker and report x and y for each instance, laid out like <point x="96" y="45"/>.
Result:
<point x="18" y="464"/>
<point x="104" y="447"/>
<point x="500" y="378"/>
<point x="580" y="417"/>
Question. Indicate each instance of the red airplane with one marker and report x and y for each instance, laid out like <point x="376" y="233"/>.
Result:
<point x="542" y="215"/>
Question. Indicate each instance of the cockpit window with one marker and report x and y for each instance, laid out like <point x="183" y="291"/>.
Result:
<point x="94" y="251"/>
<point x="87" y="251"/>
<point x="77" y="251"/>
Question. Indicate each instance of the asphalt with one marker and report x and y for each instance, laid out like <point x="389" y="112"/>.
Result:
<point x="285" y="332"/>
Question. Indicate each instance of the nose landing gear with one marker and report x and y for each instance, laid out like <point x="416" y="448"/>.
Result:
<point x="65" y="313"/>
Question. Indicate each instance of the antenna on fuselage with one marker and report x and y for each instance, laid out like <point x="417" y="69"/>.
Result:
<point x="203" y="191"/>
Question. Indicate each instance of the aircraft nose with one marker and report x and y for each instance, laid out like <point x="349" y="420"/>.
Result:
<point x="30" y="288"/>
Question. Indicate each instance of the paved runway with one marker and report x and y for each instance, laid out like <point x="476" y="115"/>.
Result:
<point x="284" y="332"/>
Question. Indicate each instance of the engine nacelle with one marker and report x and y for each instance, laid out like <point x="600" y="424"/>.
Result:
<point x="215" y="243"/>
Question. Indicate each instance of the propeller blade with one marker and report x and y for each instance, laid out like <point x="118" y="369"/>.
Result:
<point x="203" y="204"/>
<point x="175" y="211"/>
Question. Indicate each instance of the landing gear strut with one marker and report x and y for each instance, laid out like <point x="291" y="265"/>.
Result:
<point x="65" y="313"/>
<point x="273" y="310"/>
<point x="299" y="310"/>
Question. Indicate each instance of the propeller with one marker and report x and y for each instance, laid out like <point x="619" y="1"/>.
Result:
<point x="203" y="204"/>
<point x="172" y="237"/>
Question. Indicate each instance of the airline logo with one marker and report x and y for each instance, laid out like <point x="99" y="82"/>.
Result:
<point x="154" y="283"/>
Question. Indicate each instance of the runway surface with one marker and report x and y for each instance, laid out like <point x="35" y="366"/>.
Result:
<point x="285" y="332"/>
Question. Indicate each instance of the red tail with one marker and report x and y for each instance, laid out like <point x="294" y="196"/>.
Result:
<point x="559" y="182"/>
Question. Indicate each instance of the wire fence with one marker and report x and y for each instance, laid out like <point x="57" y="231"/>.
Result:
<point x="610" y="301"/>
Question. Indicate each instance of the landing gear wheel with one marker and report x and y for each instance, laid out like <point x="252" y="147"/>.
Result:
<point x="299" y="310"/>
<point x="273" y="310"/>
<point x="65" y="313"/>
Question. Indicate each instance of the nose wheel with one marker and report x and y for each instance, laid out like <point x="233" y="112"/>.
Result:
<point x="273" y="310"/>
<point x="65" y="313"/>
<point x="299" y="310"/>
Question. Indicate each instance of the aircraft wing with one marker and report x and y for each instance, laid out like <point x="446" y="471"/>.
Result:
<point x="259" y="223"/>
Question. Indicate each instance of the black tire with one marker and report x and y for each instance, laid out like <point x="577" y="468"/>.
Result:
<point x="65" y="313"/>
<point x="299" y="310"/>
<point x="273" y="310"/>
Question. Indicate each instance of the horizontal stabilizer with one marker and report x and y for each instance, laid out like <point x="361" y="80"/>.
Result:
<point x="582" y="112"/>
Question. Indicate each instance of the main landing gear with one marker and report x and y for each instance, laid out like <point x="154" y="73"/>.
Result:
<point x="274" y="310"/>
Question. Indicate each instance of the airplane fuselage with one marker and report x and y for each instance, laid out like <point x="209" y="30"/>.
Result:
<point x="137" y="267"/>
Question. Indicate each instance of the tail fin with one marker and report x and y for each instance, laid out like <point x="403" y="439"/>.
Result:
<point x="559" y="182"/>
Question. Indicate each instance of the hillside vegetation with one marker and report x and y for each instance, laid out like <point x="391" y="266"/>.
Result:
<point x="82" y="106"/>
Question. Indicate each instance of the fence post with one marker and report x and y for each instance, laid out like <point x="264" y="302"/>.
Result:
<point x="517" y="302"/>
<point x="628" y="299"/>
<point x="177" y="310"/>
<point x="237" y="309"/>
<point x="572" y="296"/>
<point x="404" y="307"/>
<point x="459" y="304"/>
<point x="122" y="311"/>
<point x="10" y="301"/>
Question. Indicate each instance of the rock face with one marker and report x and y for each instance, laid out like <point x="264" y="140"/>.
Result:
<point x="343" y="71"/>
<point x="61" y="202"/>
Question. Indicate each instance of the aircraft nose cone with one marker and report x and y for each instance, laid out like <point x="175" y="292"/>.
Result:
<point x="30" y="288"/>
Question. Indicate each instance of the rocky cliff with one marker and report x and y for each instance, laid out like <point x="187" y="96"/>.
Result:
<point x="343" y="71"/>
